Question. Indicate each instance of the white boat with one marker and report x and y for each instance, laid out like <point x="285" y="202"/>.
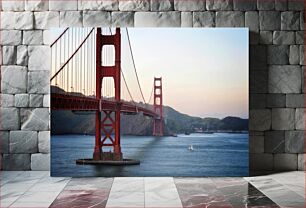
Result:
<point x="190" y="147"/>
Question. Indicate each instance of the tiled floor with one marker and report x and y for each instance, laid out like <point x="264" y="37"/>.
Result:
<point x="38" y="189"/>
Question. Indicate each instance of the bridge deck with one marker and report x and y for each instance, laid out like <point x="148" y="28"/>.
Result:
<point x="83" y="103"/>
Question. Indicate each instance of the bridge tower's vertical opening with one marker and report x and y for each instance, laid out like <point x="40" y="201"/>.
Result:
<point x="158" y="126"/>
<point x="108" y="120"/>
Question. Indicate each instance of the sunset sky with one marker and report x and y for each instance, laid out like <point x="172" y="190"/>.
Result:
<point x="204" y="70"/>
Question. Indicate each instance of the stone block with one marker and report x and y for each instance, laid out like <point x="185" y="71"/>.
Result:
<point x="96" y="18"/>
<point x="256" y="144"/>
<point x="246" y="5"/>
<point x="63" y="5"/>
<point x="303" y="79"/>
<point x="300" y="119"/>
<point x="275" y="142"/>
<point x="44" y="141"/>
<point x="46" y="101"/>
<point x="9" y="119"/>
<point x="261" y="161"/>
<point x="258" y="56"/>
<point x="257" y="101"/>
<point x="40" y="162"/>
<point x="71" y="19"/>
<point x="23" y="142"/>
<point x="24" y="20"/>
<point x="269" y="20"/>
<point x="33" y="37"/>
<point x="16" y="162"/>
<point x="216" y="5"/>
<point x="283" y="118"/>
<point x="265" y="5"/>
<point x="122" y="19"/>
<point x="22" y="55"/>
<point x="98" y="5"/>
<point x="203" y="19"/>
<point x="157" y="19"/>
<point x="6" y="100"/>
<point x="302" y="20"/>
<point x="299" y="37"/>
<point x="252" y="21"/>
<point x="256" y="133"/>
<point x="294" y="54"/>
<point x="258" y="82"/>
<point x="6" y="20"/>
<point x="13" y="6"/>
<point x="4" y="141"/>
<point x="276" y="100"/>
<point x="21" y="100"/>
<point x="36" y="100"/>
<point x="295" y="142"/>
<point x="186" y="19"/>
<point x="290" y="20"/>
<point x="134" y="5"/>
<point x="9" y="55"/>
<point x="46" y="20"/>
<point x="285" y="162"/>
<point x="281" y="5"/>
<point x="39" y="58"/>
<point x="296" y="5"/>
<point x="36" y="120"/>
<point x="295" y="100"/>
<point x="11" y="37"/>
<point x="301" y="162"/>
<point x="283" y="38"/>
<point x="14" y="79"/>
<point x="36" y="5"/>
<point x="302" y="56"/>
<point x="260" y="119"/>
<point x="162" y="5"/>
<point x="229" y="19"/>
<point x="278" y="54"/>
<point x="39" y="82"/>
<point x="48" y="37"/>
<point x="185" y="6"/>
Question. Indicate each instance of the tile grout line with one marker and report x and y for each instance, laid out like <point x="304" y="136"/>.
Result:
<point x="69" y="178"/>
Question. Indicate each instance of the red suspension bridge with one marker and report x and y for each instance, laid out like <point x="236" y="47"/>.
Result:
<point x="87" y="75"/>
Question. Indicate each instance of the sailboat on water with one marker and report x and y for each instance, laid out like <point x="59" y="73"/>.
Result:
<point x="190" y="147"/>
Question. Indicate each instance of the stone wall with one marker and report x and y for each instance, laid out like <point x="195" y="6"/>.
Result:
<point x="276" y="68"/>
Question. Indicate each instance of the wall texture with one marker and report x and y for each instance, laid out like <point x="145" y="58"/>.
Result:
<point x="277" y="104"/>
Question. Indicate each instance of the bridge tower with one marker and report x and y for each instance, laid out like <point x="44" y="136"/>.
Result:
<point x="110" y="124"/>
<point x="158" y="126"/>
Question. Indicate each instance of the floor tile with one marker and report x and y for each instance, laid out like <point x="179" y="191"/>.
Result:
<point x="277" y="192"/>
<point x="163" y="198"/>
<point x="128" y="184"/>
<point x="81" y="198"/>
<point x="155" y="184"/>
<point x="125" y="200"/>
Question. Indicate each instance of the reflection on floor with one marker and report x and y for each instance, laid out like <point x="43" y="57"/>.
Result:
<point x="37" y="189"/>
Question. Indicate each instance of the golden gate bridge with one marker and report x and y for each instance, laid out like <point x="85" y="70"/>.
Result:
<point x="86" y="75"/>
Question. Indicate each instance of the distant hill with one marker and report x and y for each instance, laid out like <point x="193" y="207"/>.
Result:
<point x="68" y="122"/>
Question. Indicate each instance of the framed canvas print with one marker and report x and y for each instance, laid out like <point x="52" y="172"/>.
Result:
<point x="149" y="102"/>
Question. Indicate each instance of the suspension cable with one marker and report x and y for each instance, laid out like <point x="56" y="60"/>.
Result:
<point x="134" y="65"/>
<point x="127" y="87"/>
<point x="151" y="94"/>
<point x="72" y="55"/>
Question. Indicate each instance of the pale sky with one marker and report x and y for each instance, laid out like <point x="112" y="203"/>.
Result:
<point x="204" y="70"/>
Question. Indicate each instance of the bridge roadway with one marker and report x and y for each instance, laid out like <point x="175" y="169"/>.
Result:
<point x="84" y="103"/>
